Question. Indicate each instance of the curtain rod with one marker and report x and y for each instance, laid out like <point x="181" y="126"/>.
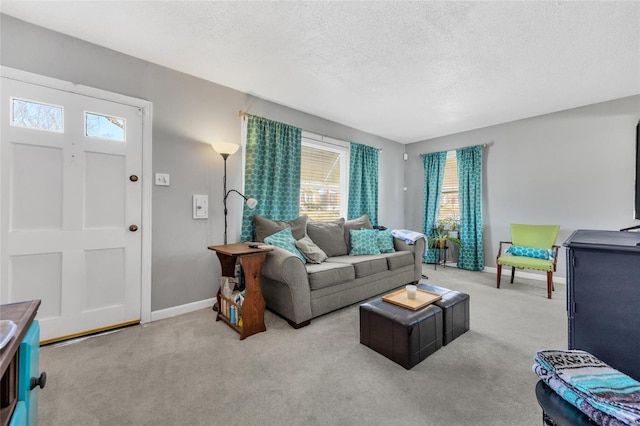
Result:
<point x="484" y="145"/>
<point x="243" y="114"/>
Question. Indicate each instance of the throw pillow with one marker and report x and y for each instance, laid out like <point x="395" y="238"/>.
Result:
<point x="364" y="241"/>
<point x="385" y="241"/>
<point x="284" y="239"/>
<point x="265" y="227"/>
<point x="360" y="223"/>
<point x="537" y="253"/>
<point x="310" y="251"/>
<point x="329" y="236"/>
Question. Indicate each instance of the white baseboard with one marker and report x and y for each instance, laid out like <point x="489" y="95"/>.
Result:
<point x="182" y="309"/>
<point x="540" y="277"/>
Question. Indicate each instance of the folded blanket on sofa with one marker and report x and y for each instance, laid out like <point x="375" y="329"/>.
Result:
<point x="410" y="237"/>
<point x="587" y="382"/>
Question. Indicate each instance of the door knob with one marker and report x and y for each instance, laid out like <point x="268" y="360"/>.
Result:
<point x="40" y="381"/>
<point x="133" y="228"/>
<point x="133" y="178"/>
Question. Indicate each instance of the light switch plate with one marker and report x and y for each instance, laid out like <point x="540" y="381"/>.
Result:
<point x="200" y="206"/>
<point x="162" y="179"/>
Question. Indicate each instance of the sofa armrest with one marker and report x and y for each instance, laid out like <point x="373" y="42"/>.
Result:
<point x="280" y="265"/>
<point x="285" y="285"/>
<point x="417" y="249"/>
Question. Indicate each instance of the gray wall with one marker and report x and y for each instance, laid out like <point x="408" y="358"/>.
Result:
<point x="187" y="113"/>
<point x="574" y="168"/>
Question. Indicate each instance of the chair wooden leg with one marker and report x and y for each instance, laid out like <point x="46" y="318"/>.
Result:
<point x="549" y="284"/>
<point x="513" y="273"/>
<point x="499" y="275"/>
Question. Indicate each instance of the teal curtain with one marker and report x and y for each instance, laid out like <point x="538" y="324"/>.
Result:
<point x="433" y="176"/>
<point x="471" y="254"/>
<point x="363" y="182"/>
<point x="272" y="171"/>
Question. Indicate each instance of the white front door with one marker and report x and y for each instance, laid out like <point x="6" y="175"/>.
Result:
<point x="71" y="169"/>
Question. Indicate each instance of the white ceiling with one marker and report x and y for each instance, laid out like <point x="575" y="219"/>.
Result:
<point x="407" y="71"/>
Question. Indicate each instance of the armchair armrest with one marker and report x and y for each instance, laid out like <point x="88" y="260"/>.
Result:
<point x="500" y="248"/>
<point x="555" y="258"/>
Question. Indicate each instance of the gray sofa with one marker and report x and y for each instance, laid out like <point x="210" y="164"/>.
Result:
<point x="301" y="291"/>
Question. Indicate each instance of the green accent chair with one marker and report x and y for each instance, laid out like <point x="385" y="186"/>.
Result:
<point x="535" y="236"/>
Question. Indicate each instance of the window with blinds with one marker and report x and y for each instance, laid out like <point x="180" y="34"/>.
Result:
<point x="449" y="203"/>
<point x="323" y="181"/>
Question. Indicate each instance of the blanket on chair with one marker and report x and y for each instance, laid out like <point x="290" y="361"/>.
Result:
<point x="606" y="395"/>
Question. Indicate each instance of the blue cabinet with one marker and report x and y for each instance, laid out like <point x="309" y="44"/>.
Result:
<point x="19" y="366"/>
<point x="28" y="372"/>
<point x="19" y="417"/>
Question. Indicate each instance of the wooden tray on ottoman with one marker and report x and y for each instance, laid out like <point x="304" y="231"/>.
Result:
<point x="423" y="298"/>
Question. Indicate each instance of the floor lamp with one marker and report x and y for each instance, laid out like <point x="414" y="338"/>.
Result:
<point x="225" y="149"/>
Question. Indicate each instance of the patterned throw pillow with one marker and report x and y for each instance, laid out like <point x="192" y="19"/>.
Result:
<point x="284" y="239"/>
<point x="385" y="241"/>
<point x="537" y="253"/>
<point x="364" y="241"/>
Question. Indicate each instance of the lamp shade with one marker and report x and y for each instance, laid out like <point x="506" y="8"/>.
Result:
<point x="252" y="203"/>
<point x="225" y="148"/>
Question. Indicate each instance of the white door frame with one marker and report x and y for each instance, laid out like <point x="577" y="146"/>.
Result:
<point x="147" y="110"/>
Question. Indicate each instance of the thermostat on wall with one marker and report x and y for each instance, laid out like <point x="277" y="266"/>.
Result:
<point x="200" y="206"/>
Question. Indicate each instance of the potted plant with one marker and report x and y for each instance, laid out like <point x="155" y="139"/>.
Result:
<point x="448" y="225"/>
<point x="440" y="239"/>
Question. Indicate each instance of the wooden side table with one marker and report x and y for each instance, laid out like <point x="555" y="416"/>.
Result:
<point x="252" y="309"/>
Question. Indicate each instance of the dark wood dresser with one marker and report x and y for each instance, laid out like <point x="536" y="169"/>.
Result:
<point x="603" y="296"/>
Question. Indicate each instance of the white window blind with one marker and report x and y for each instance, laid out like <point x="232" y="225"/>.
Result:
<point x="449" y="202"/>
<point x="323" y="181"/>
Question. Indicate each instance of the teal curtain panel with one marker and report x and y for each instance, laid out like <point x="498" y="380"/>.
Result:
<point x="272" y="171"/>
<point x="471" y="254"/>
<point x="433" y="176"/>
<point x="363" y="182"/>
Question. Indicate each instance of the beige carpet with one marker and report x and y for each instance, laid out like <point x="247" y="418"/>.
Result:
<point x="191" y="370"/>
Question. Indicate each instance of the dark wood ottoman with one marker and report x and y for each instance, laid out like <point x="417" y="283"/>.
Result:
<point x="455" y="311"/>
<point x="402" y="335"/>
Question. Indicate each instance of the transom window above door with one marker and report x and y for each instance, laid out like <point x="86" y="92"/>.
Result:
<point x="37" y="115"/>
<point x="104" y="126"/>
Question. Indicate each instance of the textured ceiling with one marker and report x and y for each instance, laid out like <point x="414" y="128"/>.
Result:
<point x="407" y="71"/>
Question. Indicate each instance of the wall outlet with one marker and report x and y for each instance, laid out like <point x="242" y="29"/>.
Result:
<point x="162" y="179"/>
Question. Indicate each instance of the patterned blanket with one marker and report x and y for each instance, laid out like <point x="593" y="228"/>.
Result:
<point x="606" y="395"/>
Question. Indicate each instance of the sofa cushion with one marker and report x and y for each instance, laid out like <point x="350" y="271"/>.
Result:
<point x="363" y="266"/>
<point x="265" y="227"/>
<point x="311" y="252"/>
<point x="329" y="236"/>
<point x="399" y="259"/>
<point x="364" y="241"/>
<point x="385" y="241"/>
<point x="360" y="223"/>
<point x="328" y="274"/>
<point x="284" y="239"/>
